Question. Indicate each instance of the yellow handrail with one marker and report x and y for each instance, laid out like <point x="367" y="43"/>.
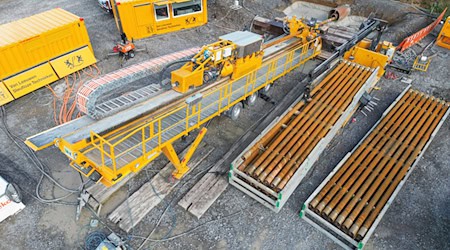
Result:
<point x="224" y="92"/>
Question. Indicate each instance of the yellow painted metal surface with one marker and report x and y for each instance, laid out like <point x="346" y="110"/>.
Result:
<point x="421" y="65"/>
<point x="443" y="38"/>
<point x="37" y="39"/>
<point x="30" y="80"/>
<point x="144" y="18"/>
<point x="73" y="61"/>
<point x="150" y="131"/>
<point x="247" y="64"/>
<point x="368" y="58"/>
<point x="5" y="96"/>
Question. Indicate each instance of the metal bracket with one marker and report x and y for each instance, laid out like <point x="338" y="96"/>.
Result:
<point x="181" y="166"/>
<point x="82" y="201"/>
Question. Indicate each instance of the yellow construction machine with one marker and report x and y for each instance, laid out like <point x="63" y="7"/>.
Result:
<point x="132" y="133"/>
<point x="443" y="38"/>
<point x="237" y="54"/>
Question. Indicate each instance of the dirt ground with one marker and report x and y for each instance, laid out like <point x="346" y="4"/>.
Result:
<point x="418" y="219"/>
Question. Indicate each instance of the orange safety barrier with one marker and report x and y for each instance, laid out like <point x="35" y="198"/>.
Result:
<point x="416" y="37"/>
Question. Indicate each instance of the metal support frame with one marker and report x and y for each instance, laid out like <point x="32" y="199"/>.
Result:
<point x="181" y="166"/>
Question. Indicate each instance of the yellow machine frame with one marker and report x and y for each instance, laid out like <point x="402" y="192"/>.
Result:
<point x="187" y="76"/>
<point x="421" y="65"/>
<point x="224" y="97"/>
<point x="443" y="38"/>
<point x="362" y="55"/>
<point x="221" y="55"/>
<point x="139" y="19"/>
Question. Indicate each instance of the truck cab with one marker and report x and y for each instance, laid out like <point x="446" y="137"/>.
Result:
<point x="10" y="199"/>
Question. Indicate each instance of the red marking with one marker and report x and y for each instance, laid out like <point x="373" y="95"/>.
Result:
<point x="4" y="203"/>
<point x="183" y="160"/>
<point x="81" y="19"/>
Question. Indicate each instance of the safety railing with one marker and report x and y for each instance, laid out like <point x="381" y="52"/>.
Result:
<point x="420" y="64"/>
<point x="169" y="127"/>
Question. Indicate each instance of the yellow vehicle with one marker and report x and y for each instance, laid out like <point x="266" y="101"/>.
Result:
<point x="40" y="49"/>
<point x="443" y="38"/>
<point x="144" y="18"/>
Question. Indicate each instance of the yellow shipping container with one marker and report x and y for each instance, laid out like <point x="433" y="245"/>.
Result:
<point x="143" y="18"/>
<point x="31" y="51"/>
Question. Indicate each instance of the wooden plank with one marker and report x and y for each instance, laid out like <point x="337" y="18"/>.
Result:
<point x="204" y="202"/>
<point x="140" y="203"/>
<point x="207" y="182"/>
<point x="100" y="193"/>
<point x="210" y="187"/>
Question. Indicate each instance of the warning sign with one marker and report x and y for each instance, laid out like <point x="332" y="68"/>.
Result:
<point x="72" y="62"/>
<point x="30" y="80"/>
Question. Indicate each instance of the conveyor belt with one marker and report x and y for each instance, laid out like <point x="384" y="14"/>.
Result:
<point x="276" y="157"/>
<point x="354" y="195"/>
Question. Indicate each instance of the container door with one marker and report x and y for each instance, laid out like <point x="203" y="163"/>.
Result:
<point x="144" y="19"/>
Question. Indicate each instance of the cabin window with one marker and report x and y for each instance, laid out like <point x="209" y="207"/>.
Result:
<point x="161" y="12"/>
<point x="186" y="8"/>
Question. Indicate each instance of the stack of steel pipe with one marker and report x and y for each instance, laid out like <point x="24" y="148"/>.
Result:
<point x="354" y="196"/>
<point x="277" y="156"/>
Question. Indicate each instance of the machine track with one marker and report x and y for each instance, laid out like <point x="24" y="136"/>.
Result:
<point x="125" y="87"/>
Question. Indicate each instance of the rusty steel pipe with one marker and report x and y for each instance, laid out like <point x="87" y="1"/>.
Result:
<point x="359" y="190"/>
<point x="300" y="133"/>
<point x="387" y="165"/>
<point x="307" y="119"/>
<point x="377" y="169"/>
<point x="309" y="131"/>
<point x="344" y="172"/>
<point x="371" y="184"/>
<point x="270" y="151"/>
<point x="267" y="138"/>
<point x="291" y="169"/>
<point x="418" y="143"/>
<point x="339" y="13"/>
<point x="367" y="166"/>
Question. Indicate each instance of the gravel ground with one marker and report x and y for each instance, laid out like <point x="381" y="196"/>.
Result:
<point x="418" y="218"/>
